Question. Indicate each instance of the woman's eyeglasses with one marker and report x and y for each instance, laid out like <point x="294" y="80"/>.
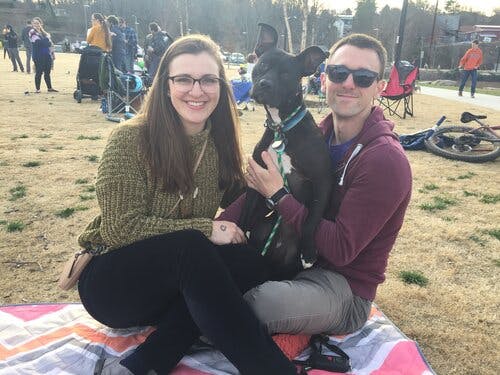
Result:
<point x="184" y="83"/>
<point x="361" y="77"/>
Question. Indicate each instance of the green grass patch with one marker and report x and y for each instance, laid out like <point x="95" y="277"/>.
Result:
<point x="89" y="189"/>
<point x="438" y="203"/>
<point x="67" y="212"/>
<point x="490" y="198"/>
<point x="90" y="138"/>
<point x="82" y="181"/>
<point x="3" y="163"/>
<point x="59" y="148"/>
<point x="17" y="192"/>
<point x="42" y="149"/>
<point x="15" y="226"/>
<point x="470" y="194"/>
<point x="495" y="233"/>
<point x="92" y="158"/>
<point x="3" y="222"/>
<point x="45" y="136"/>
<point x="431" y="187"/>
<point x="413" y="277"/>
<point x="495" y="92"/>
<point x="19" y="137"/>
<point x="32" y="164"/>
<point x="477" y="240"/>
<point x="86" y="197"/>
<point x="466" y="176"/>
<point x="449" y="219"/>
<point x="496" y="262"/>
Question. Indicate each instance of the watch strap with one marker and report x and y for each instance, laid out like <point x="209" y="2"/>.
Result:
<point x="276" y="197"/>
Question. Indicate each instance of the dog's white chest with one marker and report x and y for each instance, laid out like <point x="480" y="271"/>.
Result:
<point x="286" y="161"/>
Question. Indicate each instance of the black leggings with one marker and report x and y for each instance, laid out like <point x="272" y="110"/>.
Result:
<point x="185" y="286"/>
<point x="43" y="66"/>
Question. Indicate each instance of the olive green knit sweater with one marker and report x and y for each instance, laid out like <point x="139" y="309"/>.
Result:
<point x="134" y="207"/>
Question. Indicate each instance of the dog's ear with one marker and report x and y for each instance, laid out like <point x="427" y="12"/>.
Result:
<point x="310" y="58"/>
<point x="267" y="39"/>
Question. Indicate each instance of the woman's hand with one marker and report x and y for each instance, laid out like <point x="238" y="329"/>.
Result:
<point x="226" y="232"/>
<point x="265" y="181"/>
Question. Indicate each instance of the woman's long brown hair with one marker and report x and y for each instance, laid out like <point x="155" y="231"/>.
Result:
<point x="107" y="35"/>
<point x="164" y="142"/>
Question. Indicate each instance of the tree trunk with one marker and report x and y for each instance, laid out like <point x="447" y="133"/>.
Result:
<point x="304" y="7"/>
<point x="287" y="25"/>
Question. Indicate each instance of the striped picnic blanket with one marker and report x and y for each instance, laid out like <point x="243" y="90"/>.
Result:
<point x="64" y="339"/>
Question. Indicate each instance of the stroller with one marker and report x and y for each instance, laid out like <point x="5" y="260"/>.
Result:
<point x="124" y="91"/>
<point x="87" y="78"/>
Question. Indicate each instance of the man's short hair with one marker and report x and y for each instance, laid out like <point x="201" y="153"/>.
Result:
<point x="475" y="41"/>
<point x="121" y="20"/>
<point x="154" y="27"/>
<point x="363" y="41"/>
<point x="112" y="20"/>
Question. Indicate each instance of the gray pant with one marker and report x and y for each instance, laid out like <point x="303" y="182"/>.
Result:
<point x="28" y="60"/>
<point x="14" y="57"/>
<point x="315" y="301"/>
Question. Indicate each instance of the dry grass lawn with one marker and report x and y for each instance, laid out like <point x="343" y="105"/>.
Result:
<point x="50" y="147"/>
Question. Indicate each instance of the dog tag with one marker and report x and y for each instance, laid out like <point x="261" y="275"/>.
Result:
<point x="279" y="145"/>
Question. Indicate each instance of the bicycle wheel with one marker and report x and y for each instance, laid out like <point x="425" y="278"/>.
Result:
<point x="464" y="143"/>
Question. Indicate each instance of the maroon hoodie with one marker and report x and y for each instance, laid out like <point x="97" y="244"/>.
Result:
<point x="366" y="211"/>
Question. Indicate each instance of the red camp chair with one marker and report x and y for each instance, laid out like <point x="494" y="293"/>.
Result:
<point x="399" y="90"/>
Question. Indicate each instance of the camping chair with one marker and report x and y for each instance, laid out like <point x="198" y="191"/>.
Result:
<point x="241" y="91"/>
<point x="399" y="90"/>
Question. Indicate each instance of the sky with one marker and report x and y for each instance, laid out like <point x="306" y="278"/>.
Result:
<point x="484" y="6"/>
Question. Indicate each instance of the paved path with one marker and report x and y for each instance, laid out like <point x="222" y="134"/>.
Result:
<point x="484" y="100"/>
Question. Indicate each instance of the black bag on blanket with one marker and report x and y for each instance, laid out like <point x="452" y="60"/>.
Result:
<point x="317" y="360"/>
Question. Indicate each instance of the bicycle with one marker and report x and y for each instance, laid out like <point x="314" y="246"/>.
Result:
<point x="465" y="143"/>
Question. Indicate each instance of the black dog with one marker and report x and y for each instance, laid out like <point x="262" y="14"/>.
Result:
<point x="290" y="130"/>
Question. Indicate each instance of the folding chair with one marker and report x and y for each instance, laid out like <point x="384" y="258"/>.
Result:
<point x="399" y="90"/>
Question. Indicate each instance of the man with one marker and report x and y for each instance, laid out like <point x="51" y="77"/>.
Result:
<point x="155" y="46"/>
<point x="471" y="61"/>
<point x="131" y="45"/>
<point x="27" y="45"/>
<point x="372" y="190"/>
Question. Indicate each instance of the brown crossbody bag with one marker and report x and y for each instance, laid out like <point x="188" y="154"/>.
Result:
<point x="74" y="267"/>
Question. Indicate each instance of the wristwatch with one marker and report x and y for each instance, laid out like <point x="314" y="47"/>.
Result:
<point x="272" y="202"/>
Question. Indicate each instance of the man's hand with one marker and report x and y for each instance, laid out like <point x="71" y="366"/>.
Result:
<point x="226" y="232"/>
<point x="265" y="181"/>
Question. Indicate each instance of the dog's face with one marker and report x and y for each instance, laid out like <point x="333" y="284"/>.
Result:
<point x="277" y="76"/>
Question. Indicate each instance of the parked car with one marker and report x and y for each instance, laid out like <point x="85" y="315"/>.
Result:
<point x="237" y="58"/>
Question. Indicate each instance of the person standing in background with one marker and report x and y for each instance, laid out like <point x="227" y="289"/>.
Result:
<point x="471" y="61"/>
<point x="27" y="45"/>
<point x="12" y="39"/>
<point x="131" y="45"/>
<point x="117" y="44"/>
<point x="42" y="56"/>
<point x="99" y="34"/>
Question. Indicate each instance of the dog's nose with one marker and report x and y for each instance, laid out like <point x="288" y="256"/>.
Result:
<point x="265" y="84"/>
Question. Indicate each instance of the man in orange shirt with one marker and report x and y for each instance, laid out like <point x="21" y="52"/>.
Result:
<point x="471" y="61"/>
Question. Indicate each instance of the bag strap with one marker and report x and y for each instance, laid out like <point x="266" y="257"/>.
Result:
<point x="196" y="165"/>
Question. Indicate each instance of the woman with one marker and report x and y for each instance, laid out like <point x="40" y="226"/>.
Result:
<point x="41" y="54"/>
<point x="12" y="45"/>
<point x="118" y="44"/>
<point x="99" y="34"/>
<point x="164" y="260"/>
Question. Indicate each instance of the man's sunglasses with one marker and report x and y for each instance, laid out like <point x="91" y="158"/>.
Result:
<point x="361" y="77"/>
